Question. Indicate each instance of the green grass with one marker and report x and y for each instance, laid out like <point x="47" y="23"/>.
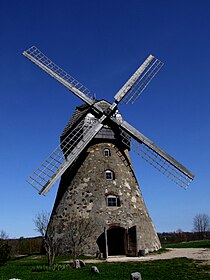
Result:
<point x="191" y="244"/>
<point x="154" y="270"/>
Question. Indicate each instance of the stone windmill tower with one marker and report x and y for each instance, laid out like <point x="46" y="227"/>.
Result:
<point x="97" y="177"/>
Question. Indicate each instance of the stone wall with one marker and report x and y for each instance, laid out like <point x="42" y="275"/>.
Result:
<point x="84" y="189"/>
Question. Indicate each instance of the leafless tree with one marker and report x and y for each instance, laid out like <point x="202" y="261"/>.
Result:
<point x="201" y="224"/>
<point x="4" y="248"/>
<point x="77" y="234"/>
<point x="181" y="235"/>
<point x="3" y="235"/>
<point x="41" y="222"/>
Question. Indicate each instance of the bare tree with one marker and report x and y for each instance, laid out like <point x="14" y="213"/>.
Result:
<point x="41" y="222"/>
<point x="77" y="234"/>
<point x="74" y="237"/>
<point x="4" y="248"/>
<point x="181" y="235"/>
<point x="3" y="235"/>
<point x="201" y="224"/>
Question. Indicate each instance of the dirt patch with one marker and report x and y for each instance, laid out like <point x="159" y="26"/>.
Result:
<point x="190" y="253"/>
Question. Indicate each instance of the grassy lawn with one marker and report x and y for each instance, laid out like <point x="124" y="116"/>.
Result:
<point x="155" y="270"/>
<point x="191" y="244"/>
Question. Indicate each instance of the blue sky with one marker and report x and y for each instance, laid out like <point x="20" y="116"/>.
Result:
<point x="101" y="43"/>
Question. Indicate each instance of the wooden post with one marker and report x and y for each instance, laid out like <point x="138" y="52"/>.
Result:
<point x="106" y="243"/>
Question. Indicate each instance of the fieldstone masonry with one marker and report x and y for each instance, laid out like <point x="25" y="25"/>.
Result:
<point x="114" y="202"/>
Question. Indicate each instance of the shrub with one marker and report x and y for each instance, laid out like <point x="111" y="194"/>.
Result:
<point x="54" y="267"/>
<point x="4" y="252"/>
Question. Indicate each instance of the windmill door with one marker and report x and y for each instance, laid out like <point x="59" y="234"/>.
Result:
<point x="116" y="239"/>
<point x="113" y="242"/>
<point x="132" y="242"/>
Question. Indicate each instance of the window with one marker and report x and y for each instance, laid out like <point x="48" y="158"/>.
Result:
<point x="113" y="201"/>
<point x="107" y="152"/>
<point x="109" y="175"/>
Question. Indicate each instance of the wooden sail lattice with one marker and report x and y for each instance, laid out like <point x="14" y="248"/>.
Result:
<point x="143" y="80"/>
<point x="158" y="162"/>
<point x="41" y="60"/>
<point x="70" y="148"/>
<point x="62" y="157"/>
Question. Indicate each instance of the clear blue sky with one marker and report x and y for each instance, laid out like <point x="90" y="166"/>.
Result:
<point x="101" y="43"/>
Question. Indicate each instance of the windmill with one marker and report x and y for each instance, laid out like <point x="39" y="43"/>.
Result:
<point x="97" y="177"/>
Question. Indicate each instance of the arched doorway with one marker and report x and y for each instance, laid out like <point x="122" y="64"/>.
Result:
<point x="116" y="241"/>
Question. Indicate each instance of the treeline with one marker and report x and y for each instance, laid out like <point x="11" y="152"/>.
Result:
<point x="34" y="245"/>
<point x="180" y="236"/>
<point x="25" y="246"/>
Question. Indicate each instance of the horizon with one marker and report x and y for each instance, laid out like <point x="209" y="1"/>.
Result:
<point x="102" y="44"/>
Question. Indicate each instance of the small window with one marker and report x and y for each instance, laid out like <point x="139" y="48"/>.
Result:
<point x="107" y="152"/>
<point x="109" y="175"/>
<point x="113" y="201"/>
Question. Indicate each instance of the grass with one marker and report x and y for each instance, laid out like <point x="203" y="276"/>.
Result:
<point x="190" y="244"/>
<point x="175" y="269"/>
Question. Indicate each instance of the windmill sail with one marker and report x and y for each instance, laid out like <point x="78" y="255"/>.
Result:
<point x="65" y="154"/>
<point x="157" y="157"/>
<point x="46" y="175"/>
<point x="41" y="60"/>
<point x="138" y="81"/>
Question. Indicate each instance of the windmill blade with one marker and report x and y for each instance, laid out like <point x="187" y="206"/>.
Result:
<point x="46" y="175"/>
<point x="156" y="156"/>
<point x="36" y="56"/>
<point x="139" y="80"/>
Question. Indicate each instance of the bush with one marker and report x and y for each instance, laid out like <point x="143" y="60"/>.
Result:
<point x="4" y="252"/>
<point x="54" y="267"/>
